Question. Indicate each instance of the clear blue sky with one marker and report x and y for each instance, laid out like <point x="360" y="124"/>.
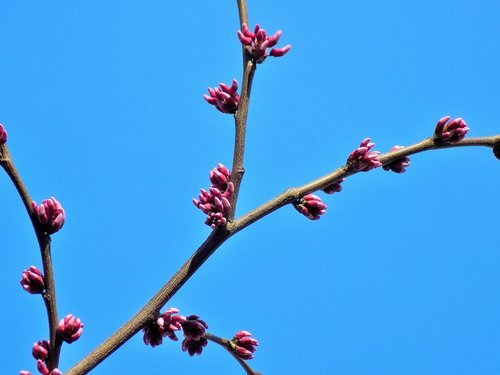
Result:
<point x="103" y="104"/>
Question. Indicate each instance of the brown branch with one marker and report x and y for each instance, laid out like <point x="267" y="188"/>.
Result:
<point x="293" y="194"/>
<point x="219" y="236"/>
<point x="226" y="344"/>
<point x="49" y="296"/>
<point x="240" y="117"/>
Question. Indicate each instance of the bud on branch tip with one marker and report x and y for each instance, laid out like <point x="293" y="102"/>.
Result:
<point x="258" y="43"/>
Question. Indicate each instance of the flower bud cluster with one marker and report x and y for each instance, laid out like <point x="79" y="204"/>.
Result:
<point x="225" y="98"/>
<point x="450" y="131"/>
<point x="32" y="280"/>
<point x="399" y="165"/>
<point x="41" y="352"/>
<point x="70" y="328"/>
<point x="3" y="135"/>
<point x="194" y="335"/>
<point x="244" y="345"/>
<point x="215" y="202"/>
<point x="258" y="43"/>
<point x="310" y="206"/>
<point x="165" y="326"/>
<point x="334" y="188"/>
<point x="50" y="215"/>
<point x="362" y="159"/>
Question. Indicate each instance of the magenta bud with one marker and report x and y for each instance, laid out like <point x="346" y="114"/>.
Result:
<point x="70" y="328"/>
<point x="50" y="215"/>
<point x="32" y="280"/>
<point x="311" y="206"/>
<point x="194" y="346"/>
<point x="225" y="98"/>
<point x="362" y="159"/>
<point x="399" y="165"/>
<point x="41" y="350"/>
<point x="42" y="367"/>
<point x="3" y="135"/>
<point x="164" y="326"/>
<point x="215" y="202"/>
<point x="259" y="43"/>
<point x="274" y="39"/>
<point x="245" y="40"/>
<point x="244" y="345"/>
<point x="246" y="31"/>
<point x="278" y="52"/>
<point x="193" y="327"/>
<point x="450" y="131"/>
<point x="334" y="188"/>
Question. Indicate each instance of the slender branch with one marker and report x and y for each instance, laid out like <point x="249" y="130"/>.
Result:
<point x="240" y="117"/>
<point x="226" y="344"/>
<point x="293" y="194"/>
<point x="242" y="11"/>
<point x="151" y="309"/>
<point x="219" y="236"/>
<point x="49" y="296"/>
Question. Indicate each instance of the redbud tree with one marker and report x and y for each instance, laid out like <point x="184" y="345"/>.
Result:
<point x="271" y="160"/>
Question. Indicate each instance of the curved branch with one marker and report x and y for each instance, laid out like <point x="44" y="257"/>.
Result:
<point x="226" y="344"/>
<point x="293" y="194"/>
<point x="49" y="296"/>
<point x="219" y="236"/>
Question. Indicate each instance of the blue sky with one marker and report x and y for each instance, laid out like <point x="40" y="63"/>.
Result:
<point x="104" y="108"/>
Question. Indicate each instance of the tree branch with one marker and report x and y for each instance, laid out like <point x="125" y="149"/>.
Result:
<point x="226" y="344"/>
<point x="49" y="296"/>
<point x="220" y="235"/>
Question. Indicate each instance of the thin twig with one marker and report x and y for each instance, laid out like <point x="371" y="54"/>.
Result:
<point x="226" y="344"/>
<point x="49" y="296"/>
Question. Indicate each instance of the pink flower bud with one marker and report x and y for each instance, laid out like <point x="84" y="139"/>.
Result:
<point x="32" y="280"/>
<point x="311" y="206"/>
<point x="41" y="350"/>
<point x="164" y="326"/>
<point x="50" y="215"/>
<point x="215" y="202"/>
<point x="399" y="165"/>
<point x="244" y="345"/>
<point x="334" y="188"/>
<point x="24" y="372"/>
<point x="225" y="98"/>
<point x="3" y="135"/>
<point x="42" y="367"/>
<point x="278" y="52"/>
<point x="259" y="42"/>
<point x="70" y="328"/>
<point x="194" y="328"/>
<point x="362" y="159"/>
<point x="56" y="371"/>
<point x="450" y="131"/>
<point x="193" y="346"/>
